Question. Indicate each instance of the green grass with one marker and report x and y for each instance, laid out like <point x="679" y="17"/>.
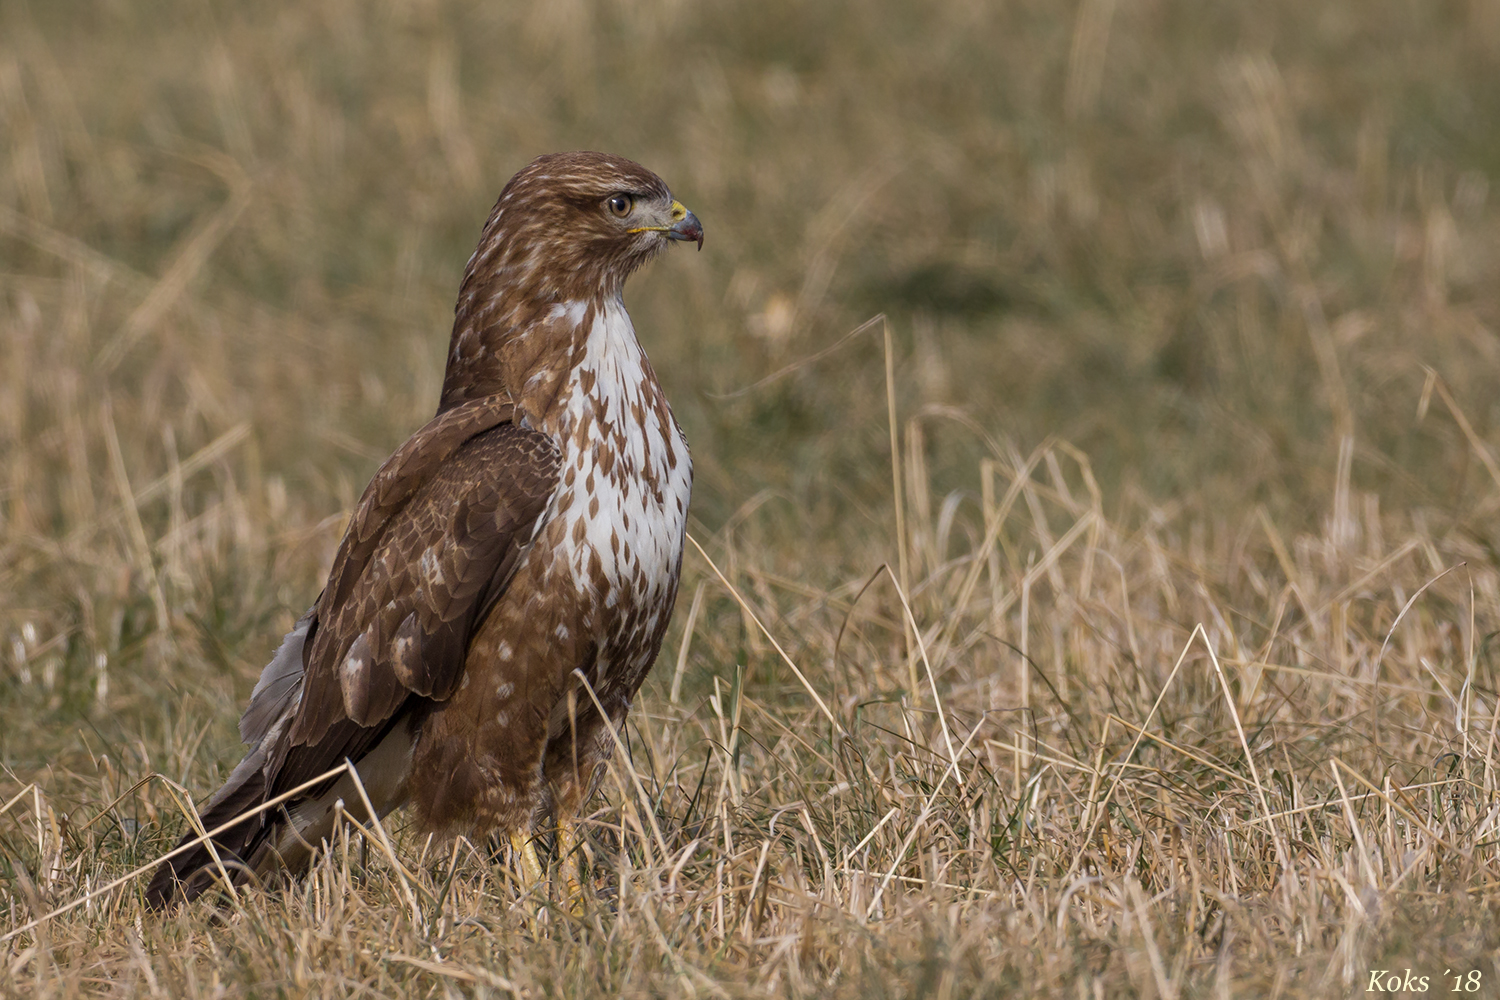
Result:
<point x="1192" y="313"/>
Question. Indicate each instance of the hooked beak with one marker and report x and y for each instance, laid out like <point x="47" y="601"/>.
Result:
<point x="685" y="225"/>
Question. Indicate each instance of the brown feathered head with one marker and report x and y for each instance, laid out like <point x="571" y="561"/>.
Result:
<point x="573" y="225"/>
<point x="568" y="227"/>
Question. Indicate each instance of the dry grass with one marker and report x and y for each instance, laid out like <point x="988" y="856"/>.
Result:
<point x="1151" y="653"/>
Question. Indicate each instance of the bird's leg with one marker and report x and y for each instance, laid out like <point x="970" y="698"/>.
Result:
<point x="530" y="869"/>
<point x="566" y="800"/>
<point x="570" y="860"/>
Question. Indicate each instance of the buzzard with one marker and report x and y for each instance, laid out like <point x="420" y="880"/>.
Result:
<point x="523" y="543"/>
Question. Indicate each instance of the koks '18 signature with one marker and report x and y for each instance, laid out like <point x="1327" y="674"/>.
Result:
<point x="1406" y="981"/>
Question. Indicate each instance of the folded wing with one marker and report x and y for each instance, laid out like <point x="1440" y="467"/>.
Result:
<point x="433" y="542"/>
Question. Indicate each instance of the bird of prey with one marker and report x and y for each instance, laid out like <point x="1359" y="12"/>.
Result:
<point x="524" y="544"/>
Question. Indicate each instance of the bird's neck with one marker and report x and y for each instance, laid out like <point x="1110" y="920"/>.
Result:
<point x="502" y="338"/>
<point x="543" y="355"/>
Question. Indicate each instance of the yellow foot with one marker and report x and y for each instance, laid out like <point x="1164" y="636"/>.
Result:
<point x="570" y="860"/>
<point x="529" y="868"/>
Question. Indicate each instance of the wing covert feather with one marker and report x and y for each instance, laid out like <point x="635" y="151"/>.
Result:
<point x="414" y="464"/>
<point x="430" y="546"/>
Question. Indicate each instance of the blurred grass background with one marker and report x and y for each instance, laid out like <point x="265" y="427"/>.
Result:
<point x="1130" y="226"/>
<point x="1214" y="246"/>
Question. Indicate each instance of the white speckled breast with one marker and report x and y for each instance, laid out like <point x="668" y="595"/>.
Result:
<point x="627" y="479"/>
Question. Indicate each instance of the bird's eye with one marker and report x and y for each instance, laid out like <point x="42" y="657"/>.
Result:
<point x="619" y="205"/>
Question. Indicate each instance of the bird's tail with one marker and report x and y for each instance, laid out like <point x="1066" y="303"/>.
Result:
<point x="187" y="875"/>
<point x="241" y="848"/>
<point x="284" y="836"/>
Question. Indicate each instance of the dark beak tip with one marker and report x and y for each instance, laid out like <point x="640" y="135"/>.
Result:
<point x="688" y="228"/>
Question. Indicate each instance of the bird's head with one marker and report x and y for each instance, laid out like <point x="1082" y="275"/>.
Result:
<point x="569" y="228"/>
<point x="574" y="225"/>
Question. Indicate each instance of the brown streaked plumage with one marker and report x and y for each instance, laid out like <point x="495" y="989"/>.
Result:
<point x="529" y="534"/>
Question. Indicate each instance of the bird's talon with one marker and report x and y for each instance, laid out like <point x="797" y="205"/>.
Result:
<point x="528" y="867"/>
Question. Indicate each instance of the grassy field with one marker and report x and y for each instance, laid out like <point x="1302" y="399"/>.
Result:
<point x="1117" y="617"/>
